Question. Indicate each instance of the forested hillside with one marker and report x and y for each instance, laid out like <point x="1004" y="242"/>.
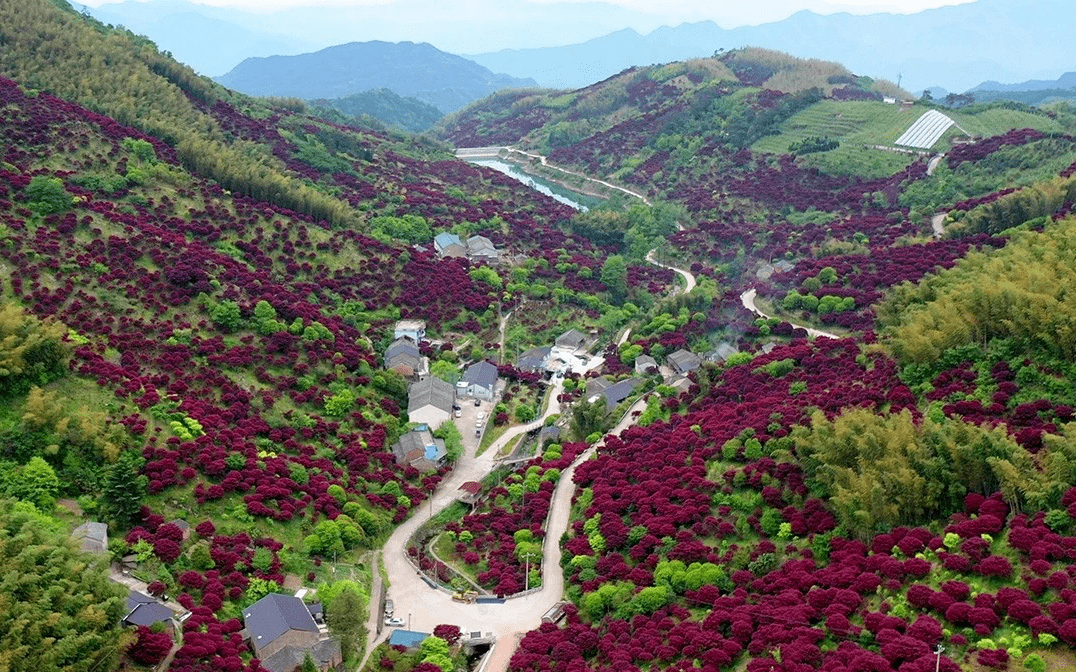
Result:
<point x="198" y="287"/>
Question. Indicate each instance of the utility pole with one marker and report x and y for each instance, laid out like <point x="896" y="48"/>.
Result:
<point x="937" y="663"/>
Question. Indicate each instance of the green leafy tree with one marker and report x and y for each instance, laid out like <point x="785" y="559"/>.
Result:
<point x="65" y="613"/>
<point x="345" y="615"/>
<point x="590" y="418"/>
<point x="47" y="195"/>
<point x="32" y="351"/>
<point x="226" y="316"/>
<point x="615" y="276"/>
<point x="36" y="482"/>
<point x="124" y="488"/>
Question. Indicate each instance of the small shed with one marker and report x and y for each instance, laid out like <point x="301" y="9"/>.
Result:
<point x="472" y="490"/>
<point x="183" y="526"/>
<point x="92" y="537"/>
<point x="645" y="364"/>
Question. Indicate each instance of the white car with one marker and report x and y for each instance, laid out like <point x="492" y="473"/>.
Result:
<point x="481" y="416"/>
<point x="393" y="622"/>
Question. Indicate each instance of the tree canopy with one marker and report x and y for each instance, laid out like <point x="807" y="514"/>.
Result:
<point x="58" y="609"/>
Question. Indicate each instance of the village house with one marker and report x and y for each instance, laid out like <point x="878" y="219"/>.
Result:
<point x="533" y="360"/>
<point x="430" y="401"/>
<point x="618" y="392"/>
<point x="645" y="364"/>
<point x="573" y="340"/>
<point x="414" y="330"/>
<point x="419" y="449"/>
<point x="403" y="357"/>
<point x="283" y="633"/>
<point x="480" y="248"/>
<point x="145" y="610"/>
<point x="722" y="352"/>
<point x="479" y="381"/>
<point x="683" y="361"/>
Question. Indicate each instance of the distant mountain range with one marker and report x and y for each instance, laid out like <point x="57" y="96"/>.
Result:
<point x="954" y="47"/>
<point x="1032" y="92"/>
<point x="421" y="71"/>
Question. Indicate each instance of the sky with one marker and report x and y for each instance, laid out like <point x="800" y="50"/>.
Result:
<point x="647" y="14"/>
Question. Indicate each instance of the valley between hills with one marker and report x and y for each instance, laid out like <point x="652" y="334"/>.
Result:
<point x="286" y="388"/>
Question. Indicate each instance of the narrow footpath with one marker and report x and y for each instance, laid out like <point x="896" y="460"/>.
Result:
<point x="688" y="276"/>
<point x="748" y="300"/>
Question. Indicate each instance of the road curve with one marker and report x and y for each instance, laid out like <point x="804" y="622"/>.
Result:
<point x="748" y="300"/>
<point x="424" y="607"/>
<point x="689" y="277"/>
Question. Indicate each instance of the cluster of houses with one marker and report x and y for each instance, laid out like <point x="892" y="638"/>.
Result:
<point x="475" y="248"/>
<point x="431" y="402"/>
<point x="568" y="353"/>
<point x="282" y="630"/>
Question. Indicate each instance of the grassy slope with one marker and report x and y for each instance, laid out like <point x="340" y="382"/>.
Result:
<point x="857" y="123"/>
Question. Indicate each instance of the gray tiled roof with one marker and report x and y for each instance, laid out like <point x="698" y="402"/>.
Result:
<point x="401" y="345"/>
<point x="291" y="657"/>
<point x="573" y="338"/>
<point x="533" y="359"/>
<point x="618" y="392"/>
<point x="145" y="610"/>
<point x="420" y="441"/>
<point x="273" y="615"/>
<point x="431" y="391"/>
<point x="684" y="361"/>
<point x="481" y="373"/>
<point x="92" y="537"/>
<point x="480" y="244"/>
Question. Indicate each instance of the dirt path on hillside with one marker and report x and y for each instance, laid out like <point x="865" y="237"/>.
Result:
<point x="748" y="300"/>
<point x="688" y="276"/>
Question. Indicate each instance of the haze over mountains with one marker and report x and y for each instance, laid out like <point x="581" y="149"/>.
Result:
<point x="954" y="47"/>
<point x="420" y="71"/>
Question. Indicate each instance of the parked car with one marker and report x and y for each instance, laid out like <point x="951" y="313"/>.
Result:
<point x="477" y="403"/>
<point x="394" y="622"/>
<point x="459" y="413"/>
<point x="481" y="416"/>
<point x="389" y="608"/>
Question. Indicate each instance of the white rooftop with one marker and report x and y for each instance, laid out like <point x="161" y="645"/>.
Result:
<point x="926" y="130"/>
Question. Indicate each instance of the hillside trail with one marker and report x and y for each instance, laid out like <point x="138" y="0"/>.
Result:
<point x="689" y="277"/>
<point x="748" y="300"/>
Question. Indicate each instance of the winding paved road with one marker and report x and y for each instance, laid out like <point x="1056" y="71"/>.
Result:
<point x="424" y="607"/>
<point x="748" y="300"/>
<point x="689" y="277"/>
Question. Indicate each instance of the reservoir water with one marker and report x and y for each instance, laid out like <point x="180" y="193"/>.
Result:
<point x="552" y="190"/>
